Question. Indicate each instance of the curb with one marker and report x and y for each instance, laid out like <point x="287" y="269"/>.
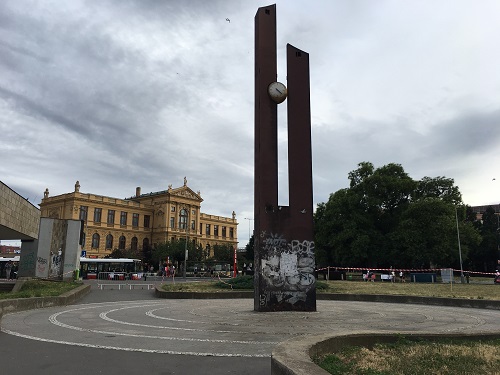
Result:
<point x="415" y="300"/>
<point x="294" y="356"/>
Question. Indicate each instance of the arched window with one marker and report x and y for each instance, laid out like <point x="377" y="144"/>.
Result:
<point x="183" y="216"/>
<point x="109" y="241"/>
<point x="133" y="244"/>
<point x="145" y="244"/>
<point x="121" y="243"/>
<point x="95" y="241"/>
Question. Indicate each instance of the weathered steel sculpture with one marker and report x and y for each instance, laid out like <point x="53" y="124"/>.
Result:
<point x="284" y="249"/>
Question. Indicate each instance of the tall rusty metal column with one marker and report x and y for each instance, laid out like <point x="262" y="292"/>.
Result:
<point x="283" y="237"/>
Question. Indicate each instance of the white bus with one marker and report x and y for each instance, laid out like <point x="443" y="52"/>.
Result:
<point x="90" y="268"/>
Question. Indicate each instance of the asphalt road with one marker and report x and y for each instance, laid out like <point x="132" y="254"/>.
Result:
<point x="123" y="331"/>
<point x="23" y="356"/>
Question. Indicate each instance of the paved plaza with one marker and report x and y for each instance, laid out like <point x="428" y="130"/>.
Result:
<point x="184" y="336"/>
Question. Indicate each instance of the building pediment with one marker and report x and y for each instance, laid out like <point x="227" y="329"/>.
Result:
<point x="185" y="192"/>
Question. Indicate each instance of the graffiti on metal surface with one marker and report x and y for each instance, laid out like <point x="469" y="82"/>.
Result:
<point x="287" y="269"/>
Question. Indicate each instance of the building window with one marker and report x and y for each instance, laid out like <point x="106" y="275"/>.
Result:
<point x="224" y="232"/>
<point x="201" y="228"/>
<point x="133" y="244"/>
<point x="231" y="232"/>
<point x="147" y="218"/>
<point x="207" y="229"/>
<point x="109" y="241"/>
<point x="183" y="219"/>
<point x="95" y="241"/>
<point x="97" y="215"/>
<point x="172" y="209"/>
<point x="193" y="225"/>
<point x="111" y="216"/>
<point x="193" y="212"/>
<point x="121" y="243"/>
<point x="135" y="220"/>
<point x="207" y="249"/>
<point x="216" y="230"/>
<point x="123" y="218"/>
<point x="172" y="223"/>
<point x="83" y="212"/>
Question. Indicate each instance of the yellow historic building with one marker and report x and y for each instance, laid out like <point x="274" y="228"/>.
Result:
<point x="141" y="221"/>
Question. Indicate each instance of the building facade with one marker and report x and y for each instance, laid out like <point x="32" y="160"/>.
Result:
<point x="141" y="221"/>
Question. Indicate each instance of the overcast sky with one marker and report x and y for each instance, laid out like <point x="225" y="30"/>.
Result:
<point x="120" y="94"/>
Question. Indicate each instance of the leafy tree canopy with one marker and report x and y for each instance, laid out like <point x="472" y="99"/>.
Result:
<point x="175" y="251"/>
<point x="438" y="187"/>
<point x="385" y="218"/>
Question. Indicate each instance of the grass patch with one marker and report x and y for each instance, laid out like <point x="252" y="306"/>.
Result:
<point x="225" y="285"/>
<point x="41" y="288"/>
<point x="240" y="282"/>
<point x="417" y="358"/>
<point x="196" y="286"/>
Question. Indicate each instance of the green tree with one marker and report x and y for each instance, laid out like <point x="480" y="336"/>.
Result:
<point x="353" y="227"/>
<point x="223" y="253"/>
<point x="485" y="255"/>
<point x="438" y="187"/>
<point x="245" y="258"/>
<point x="124" y="253"/>
<point x="249" y="249"/>
<point x="343" y="230"/>
<point x="385" y="218"/>
<point x="427" y="235"/>
<point x="174" y="249"/>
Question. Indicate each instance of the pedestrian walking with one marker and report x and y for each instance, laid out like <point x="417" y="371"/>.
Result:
<point x="402" y="276"/>
<point x="8" y="269"/>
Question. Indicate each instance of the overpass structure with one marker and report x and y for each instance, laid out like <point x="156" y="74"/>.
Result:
<point x="19" y="219"/>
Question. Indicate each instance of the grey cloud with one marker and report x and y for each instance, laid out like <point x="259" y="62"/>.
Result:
<point x="469" y="133"/>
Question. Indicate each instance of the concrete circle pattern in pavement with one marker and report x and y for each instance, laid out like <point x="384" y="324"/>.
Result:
<point x="229" y="327"/>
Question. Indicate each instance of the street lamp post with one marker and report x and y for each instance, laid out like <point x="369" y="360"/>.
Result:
<point x="249" y="219"/>
<point x="459" y="250"/>
<point x="186" y="226"/>
<point x="498" y="241"/>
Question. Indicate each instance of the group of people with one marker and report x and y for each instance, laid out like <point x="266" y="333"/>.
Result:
<point x="9" y="270"/>
<point x="370" y="276"/>
<point x="168" y="271"/>
<point x="401" y="276"/>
